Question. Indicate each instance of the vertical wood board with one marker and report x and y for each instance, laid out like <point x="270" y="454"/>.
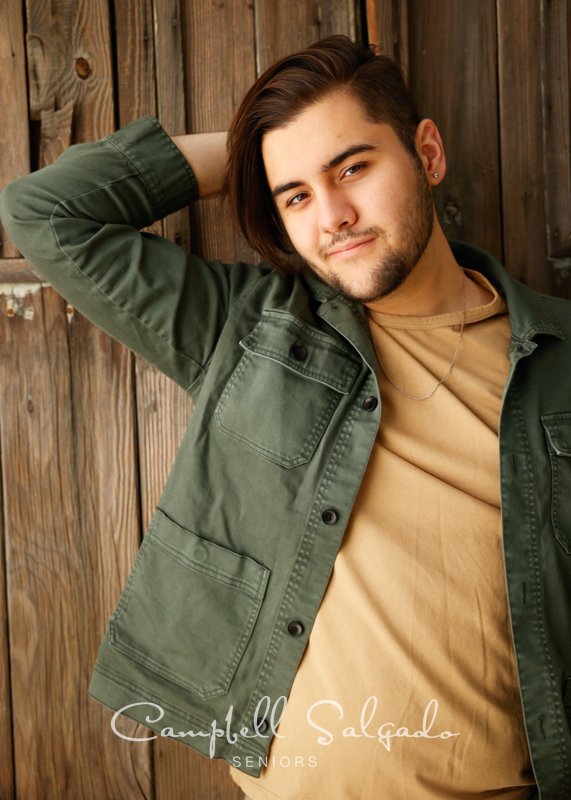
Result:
<point x="451" y="37"/>
<point x="7" y="788"/>
<point x="171" y="95"/>
<point x="219" y="68"/>
<point x="556" y="113"/>
<point x="387" y="26"/>
<point x="14" y="138"/>
<point x="521" y="138"/>
<point x="283" y="28"/>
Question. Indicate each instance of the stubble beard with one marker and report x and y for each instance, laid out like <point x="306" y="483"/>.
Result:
<point x="396" y="264"/>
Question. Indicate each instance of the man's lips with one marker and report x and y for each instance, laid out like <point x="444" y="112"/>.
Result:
<point x="351" y="248"/>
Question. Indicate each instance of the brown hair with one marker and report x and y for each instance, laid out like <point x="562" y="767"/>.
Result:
<point x="281" y="93"/>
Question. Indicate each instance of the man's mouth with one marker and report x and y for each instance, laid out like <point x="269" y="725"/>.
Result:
<point x="351" y="248"/>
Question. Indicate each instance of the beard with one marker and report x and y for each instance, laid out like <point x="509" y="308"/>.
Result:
<point x="416" y="225"/>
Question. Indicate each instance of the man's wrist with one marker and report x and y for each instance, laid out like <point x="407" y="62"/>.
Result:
<point x="206" y="155"/>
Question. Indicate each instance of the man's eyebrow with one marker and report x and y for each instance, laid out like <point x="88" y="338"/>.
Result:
<point x="350" y="151"/>
<point x="285" y="187"/>
<point x="334" y="162"/>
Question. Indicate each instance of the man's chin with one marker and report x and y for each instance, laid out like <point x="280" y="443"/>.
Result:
<point x="367" y="291"/>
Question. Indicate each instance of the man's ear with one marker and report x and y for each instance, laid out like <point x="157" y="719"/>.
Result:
<point x="431" y="151"/>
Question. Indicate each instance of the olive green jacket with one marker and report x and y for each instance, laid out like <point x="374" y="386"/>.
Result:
<point x="211" y="627"/>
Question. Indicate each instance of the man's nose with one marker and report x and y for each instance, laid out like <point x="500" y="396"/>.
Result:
<point x="335" y="212"/>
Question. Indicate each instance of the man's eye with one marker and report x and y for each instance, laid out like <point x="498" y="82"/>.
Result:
<point x="296" y="199"/>
<point x="353" y="169"/>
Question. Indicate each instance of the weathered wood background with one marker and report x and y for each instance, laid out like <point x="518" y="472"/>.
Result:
<point x="88" y="432"/>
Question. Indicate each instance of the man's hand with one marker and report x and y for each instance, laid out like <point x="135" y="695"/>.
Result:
<point x="206" y="154"/>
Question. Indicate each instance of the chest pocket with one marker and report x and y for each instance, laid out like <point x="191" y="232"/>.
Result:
<point x="558" y="434"/>
<point x="285" y="388"/>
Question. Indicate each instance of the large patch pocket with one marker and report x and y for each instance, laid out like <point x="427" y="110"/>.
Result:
<point x="189" y="608"/>
<point x="558" y="434"/>
<point x="285" y="388"/>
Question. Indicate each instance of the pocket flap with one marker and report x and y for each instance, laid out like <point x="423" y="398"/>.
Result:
<point x="558" y="430"/>
<point x="309" y="352"/>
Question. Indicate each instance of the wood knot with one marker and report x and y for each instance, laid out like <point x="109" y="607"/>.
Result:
<point x="83" y="68"/>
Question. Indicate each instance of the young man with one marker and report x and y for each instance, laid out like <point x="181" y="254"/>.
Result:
<point x="367" y="515"/>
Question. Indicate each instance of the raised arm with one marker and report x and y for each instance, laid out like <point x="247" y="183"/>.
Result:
<point x="78" y="222"/>
<point x="206" y="154"/>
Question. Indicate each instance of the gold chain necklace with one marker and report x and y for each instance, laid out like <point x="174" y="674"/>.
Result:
<point x="441" y="381"/>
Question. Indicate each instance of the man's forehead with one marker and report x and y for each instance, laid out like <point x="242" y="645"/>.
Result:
<point x="299" y="149"/>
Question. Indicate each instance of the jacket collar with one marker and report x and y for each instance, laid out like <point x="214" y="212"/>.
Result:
<point x="528" y="310"/>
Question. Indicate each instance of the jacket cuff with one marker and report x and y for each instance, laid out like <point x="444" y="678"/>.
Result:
<point x="167" y="174"/>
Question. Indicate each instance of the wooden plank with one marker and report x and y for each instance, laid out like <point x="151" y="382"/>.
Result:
<point x="102" y="391"/>
<point x="56" y="132"/>
<point x="7" y="788"/>
<point x="135" y="59"/>
<point x="14" y="138"/>
<point x="72" y="503"/>
<point x="454" y="38"/>
<point x="556" y="103"/>
<point x="61" y="572"/>
<point x="523" y="172"/>
<point x="387" y="26"/>
<point x="283" y="28"/>
<point x="219" y="68"/>
<point x="18" y="270"/>
<point x="105" y="429"/>
<point x="170" y="95"/>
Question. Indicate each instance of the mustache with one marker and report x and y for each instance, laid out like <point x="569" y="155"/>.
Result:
<point x="347" y="237"/>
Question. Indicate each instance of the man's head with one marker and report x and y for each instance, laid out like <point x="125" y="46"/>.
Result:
<point x="324" y="160"/>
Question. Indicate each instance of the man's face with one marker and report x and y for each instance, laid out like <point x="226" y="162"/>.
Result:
<point x="356" y="205"/>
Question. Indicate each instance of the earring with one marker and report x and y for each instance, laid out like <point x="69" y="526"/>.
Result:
<point x="435" y="174"/>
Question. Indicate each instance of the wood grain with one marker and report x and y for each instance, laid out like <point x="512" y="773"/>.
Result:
<point x="74" y="537"/>
<point x="18" y="270"/>
<point x="56" y="132"/>
<point x="523" y="181"/>
<point x="387" y="26"/>
<point x="556" y="117"/>
<point x="69" y="523"/>
<point x="171" y="95"/>
<point x="104" y="426"/>
<point x="454" y="38"/>
<point x="283" y="28"/>
<point x="14" y="138"/>
<point x="69" y="60"/>
<point x="219" y="67"/>
<point x="7" y="787"/>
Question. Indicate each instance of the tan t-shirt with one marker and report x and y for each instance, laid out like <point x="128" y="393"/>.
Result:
<point x="408" y="687"/>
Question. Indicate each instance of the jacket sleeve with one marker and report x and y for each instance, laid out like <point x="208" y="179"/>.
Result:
<point x="77" y="221"/>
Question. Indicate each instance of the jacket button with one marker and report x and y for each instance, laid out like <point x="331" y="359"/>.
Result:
<point x="295" y="628"/>
<point x="330" y="516"/>
<point x="370" y="403"/>
<point x="298" y="352"/>
<point x="261" y="725"/>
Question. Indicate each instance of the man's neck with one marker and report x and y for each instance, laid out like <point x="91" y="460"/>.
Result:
<point x="435" y="285"/>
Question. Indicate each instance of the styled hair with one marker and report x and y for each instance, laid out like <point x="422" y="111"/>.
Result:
<point x="281" y="93"/>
